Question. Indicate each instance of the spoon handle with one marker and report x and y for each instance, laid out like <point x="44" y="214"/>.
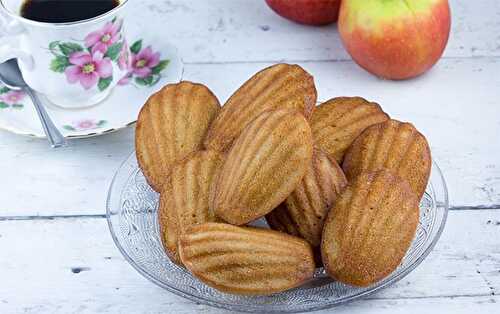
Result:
<point x="55" y="138"/>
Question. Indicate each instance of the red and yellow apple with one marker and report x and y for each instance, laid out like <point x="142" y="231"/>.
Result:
<point x="395" y="39"/>
<point x="310" y="12"/>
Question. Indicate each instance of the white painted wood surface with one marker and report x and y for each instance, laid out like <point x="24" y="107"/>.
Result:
<point x="247" y="30"/>
<point x="43" y="256"/>
<point x="223" y="42"/>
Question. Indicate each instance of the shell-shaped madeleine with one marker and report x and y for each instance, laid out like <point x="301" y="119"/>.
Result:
<point x="281" y="220"/>
<point x="245" y="260"/>
<point x="336" y="123"/>
<point x="370" y="228"/>
<point x="304" y="211"/>
<point x="282" y="86"/>
<point x="184" y="197"/>
<point x="265" y="164"/>
<point x="170" y="126"/>
<point x="395" y="146"/>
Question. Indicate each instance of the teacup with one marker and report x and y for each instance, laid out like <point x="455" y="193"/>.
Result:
<point x="74" y="64"/>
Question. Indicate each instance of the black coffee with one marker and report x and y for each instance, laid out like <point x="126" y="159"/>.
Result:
<point x="61" y="11"/>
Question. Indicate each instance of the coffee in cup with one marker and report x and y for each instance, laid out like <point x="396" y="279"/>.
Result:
<point x="63" y="11"/>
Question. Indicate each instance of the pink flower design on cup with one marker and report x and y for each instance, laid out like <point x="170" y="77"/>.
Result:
<point x="88" y="68"/>
<point x="144" y="62"/>
<point x="146" y="67"/>
<point x="12" y="97"/>
<point x="124" y="60"/>
<point x="125" y="63"/>
<point x="103" y="52"/>
<point x="100" y="40"/>
<point x="125" y="80"/>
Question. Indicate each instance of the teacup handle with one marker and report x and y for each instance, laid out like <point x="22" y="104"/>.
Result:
<point x="10" y="39"/>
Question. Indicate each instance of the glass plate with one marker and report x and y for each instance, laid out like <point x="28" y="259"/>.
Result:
<point x="132" y="219"/>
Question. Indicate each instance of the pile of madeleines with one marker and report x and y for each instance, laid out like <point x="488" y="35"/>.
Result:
<point x="270" y="152"/>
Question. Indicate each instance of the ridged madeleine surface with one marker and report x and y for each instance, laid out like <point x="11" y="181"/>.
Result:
<point x="395" y="146"/>
<point x="265" y="164"/>
<point x="171" y="125"/>
<point x="336" y="123"/>
<point x="280" y="220"/>
<point x="304" y="211"/>
<point x="370" y="228"/>
<point x="282" y="86"/>
<point x="244" y="260"/>
<point x="184" y="197"/>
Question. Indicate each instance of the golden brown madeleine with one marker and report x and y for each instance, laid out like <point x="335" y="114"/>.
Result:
<point x="281" y="220"/>
<point x="265" y="164"/>
<point x="370" y="228"/>
<point x="395" y="146"/>
<point x="281" y="86"/>
<point x="304" y="211"/>
<point x="171" y="125"/>
<point x="184" y="197"/>
<point x="337" y="122"/>
<point x="245" y="260"/>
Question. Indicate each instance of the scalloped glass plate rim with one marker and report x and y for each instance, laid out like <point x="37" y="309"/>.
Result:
<point x="252" y="309"/>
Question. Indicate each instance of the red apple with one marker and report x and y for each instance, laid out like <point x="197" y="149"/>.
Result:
<point x="395" y="39"/>
<point x="310" y="12"/>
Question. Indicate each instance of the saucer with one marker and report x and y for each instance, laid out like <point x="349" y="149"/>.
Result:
<point x="117" y="111"/>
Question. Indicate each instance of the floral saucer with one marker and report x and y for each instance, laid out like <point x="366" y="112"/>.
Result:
<point x="116" y="111"/>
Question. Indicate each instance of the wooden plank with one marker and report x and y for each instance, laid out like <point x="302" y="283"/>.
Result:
<point x="456" y="106"/>
<point x="72" y="265"/>
<point x="42" y="181"/>
<point x="247" y="30"/>
<point x="161" y="305"/>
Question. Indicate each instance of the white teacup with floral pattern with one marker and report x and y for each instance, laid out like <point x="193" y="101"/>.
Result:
<point x="74" y="64"/>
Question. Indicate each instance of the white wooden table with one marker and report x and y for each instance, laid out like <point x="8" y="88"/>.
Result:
<point x="56" y="254"/>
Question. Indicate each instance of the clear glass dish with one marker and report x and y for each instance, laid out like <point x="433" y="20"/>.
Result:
<point x="132" y="219"/>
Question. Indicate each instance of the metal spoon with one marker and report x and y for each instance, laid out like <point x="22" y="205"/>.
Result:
<point x="11" y="77"/>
